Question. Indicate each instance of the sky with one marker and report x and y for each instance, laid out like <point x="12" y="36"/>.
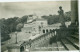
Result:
<point x="19" y="9"/>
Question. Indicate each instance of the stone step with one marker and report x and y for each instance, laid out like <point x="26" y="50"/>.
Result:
<point x="44" y="49"/>
<point x="55" y="47"/>
<point x="75" y="37"/>
<point x="60" y="46"/>
<point x="67" y="45"/>
<point x="74" y="42"/>
<point x="50" y="47"/>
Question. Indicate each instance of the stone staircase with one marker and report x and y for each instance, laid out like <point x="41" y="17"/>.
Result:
<point x="63" y="40"/>
<point x="70" y="43"/>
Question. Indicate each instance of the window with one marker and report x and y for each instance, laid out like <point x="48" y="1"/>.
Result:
<point x="43" y="31"/>
<point x="47" y="30"/>
<point x="50" y="30"/>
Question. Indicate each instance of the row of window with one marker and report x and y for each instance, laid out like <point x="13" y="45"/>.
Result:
<point x="45" y="31"/>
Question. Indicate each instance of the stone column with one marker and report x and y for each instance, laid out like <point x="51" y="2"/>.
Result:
<point x="73" y="28"/>
<point x="13" y="48"/>
<point x="74" y="11"/>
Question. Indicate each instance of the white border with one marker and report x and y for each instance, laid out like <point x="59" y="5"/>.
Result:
<point x="30" y="0"/>
<point x="45" y="0"/>
<point x="79" y="21"/>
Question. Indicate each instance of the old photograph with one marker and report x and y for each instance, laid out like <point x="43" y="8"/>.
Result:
<point x="39" y="26"/>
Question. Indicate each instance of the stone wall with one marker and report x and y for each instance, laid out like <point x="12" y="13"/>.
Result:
<point x="41" y="41"/>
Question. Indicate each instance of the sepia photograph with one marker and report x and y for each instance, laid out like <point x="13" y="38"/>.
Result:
<point x="39" y="26"/>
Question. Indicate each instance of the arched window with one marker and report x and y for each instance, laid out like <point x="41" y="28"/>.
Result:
<point x="43" y="31"/>
<point x="46" y="30"/>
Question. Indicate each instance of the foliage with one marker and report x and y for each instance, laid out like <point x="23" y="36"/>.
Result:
<point x="55" y="18"/>
<point x="19" y="26"/>
<point x="11" y="25"/>
<point x="51" y="19"/>
<point x="24" y="19"/>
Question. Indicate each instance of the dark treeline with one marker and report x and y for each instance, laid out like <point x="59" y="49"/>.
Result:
<point x="11" y="25"/>
<point x="55" y="18"/>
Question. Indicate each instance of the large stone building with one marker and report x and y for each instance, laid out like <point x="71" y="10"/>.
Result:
<point x="35" y="26"/>
<point x="40" y="26"/>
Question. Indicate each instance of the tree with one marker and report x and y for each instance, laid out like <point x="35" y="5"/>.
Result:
<point x="4" y="31"/>
<point x="52" y="19"/>
<point x="24" y="19"/>
<point x="19" y="26"/>
<point x="11" y="25"/>
<point x="7" y="26"/>
<point x="68" y="16"/>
